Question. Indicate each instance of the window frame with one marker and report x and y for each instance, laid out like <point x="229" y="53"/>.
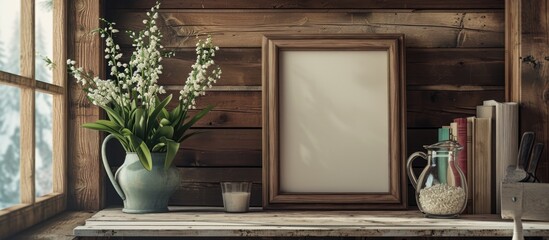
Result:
<point x="34" y="209"/>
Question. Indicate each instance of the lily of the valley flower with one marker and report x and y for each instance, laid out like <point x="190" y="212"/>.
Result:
<point x="137" y="116"/>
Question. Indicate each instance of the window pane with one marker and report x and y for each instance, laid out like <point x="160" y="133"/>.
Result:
<point x="9" y="146"/>
<point x="44" y="144"/>
<point x="10" y="22"/>
<point x="43" y="38"/>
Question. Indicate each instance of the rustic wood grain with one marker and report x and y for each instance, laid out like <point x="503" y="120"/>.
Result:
<point x="310" y="4"/>
<point x="210" y="148"/>
<point x="418" y="137"/>
<point x="426" y="108"/>
<point x="85" y="190"/>
<point x="60" y="100"/>
<point x="208" y="194"/>
<point x="454" y="66"/>
<point x="201" y="186"/>
<point x="222" y="148"/>
<point x="513" y="49"/>
<point x="16" y="80"/>
<point x="455" y="58"/>
<point x="245" y="29"/>
<point x="210" y="222"/>
<point x="59" y="227"/>
<point x="426" y="66"/>
<point x="19" y="217"/>
<point x="439" y="108"/>
<point x="273" y="196"/>
<point x="231" y="108"/>
<point x="217" y="175"/>
<point x="241" y="66"/>
<point x="534" y="89"/>
<point x="27" y="107"/>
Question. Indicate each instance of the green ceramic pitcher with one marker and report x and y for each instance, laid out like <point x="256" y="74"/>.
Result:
<point x="142" y="191"/>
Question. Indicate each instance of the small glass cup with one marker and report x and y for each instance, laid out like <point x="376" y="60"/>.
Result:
<point x="236" y="196"/>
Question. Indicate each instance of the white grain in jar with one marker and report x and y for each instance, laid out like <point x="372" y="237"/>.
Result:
<point x="442" y="199"/>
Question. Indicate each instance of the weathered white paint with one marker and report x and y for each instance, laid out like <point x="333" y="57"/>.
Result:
<point x="214" y="222"/>
<point x="529" y="200"/>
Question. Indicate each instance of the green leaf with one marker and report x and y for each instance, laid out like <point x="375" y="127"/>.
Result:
<point x="120" y="112"/>
<point x="110" y="127"/>
<point x="131" y="119"/>
<point x="165" y="122"/>
<point x="174" y="115"/>
<point x="139" y="123"/>
<point x="161" y="106"/>
<point x="164" y="113"/>
<point x="166" y="131"/>
<point x="154" y="114"/>
<point x="103" y="125"/>
<point x="181" y="130"/>
<point x="171" y="150"/>
<point x="158" y="147"/>
<point x="139" y="146"/>
<point x="110" y="124"/>
<point x="98" y="127"/>
<point x="197" y="117"/>
<point x="152" y="120"/>
<point x="113" y="115"/>
<point x="126" y="132"/>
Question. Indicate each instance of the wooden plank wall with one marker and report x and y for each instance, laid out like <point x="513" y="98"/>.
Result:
<point x="455" y="60"/>
<point x="85" y="173"/>
<point x="534" y="91"/>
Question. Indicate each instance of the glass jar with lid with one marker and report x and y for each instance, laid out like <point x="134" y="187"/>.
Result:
<point x="441" y="189"/>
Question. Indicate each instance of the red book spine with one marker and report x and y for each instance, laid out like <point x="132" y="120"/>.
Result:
<point x="462" y="140"/>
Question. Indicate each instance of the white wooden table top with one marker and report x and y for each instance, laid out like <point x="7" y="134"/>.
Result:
<point x="213" y="222"/>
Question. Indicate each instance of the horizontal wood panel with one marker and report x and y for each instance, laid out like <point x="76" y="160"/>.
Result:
<point x="428" y="109"/>
<point x="231" y="108"/>
<point x="201" y="186"/>
<point x="242" y="147"/>
<point x="208" y="194"/>
<point x="211" y="148"/>
<point x="417" y="137"/>
<point x="216" y="175"/>
<point x="221" y="148"/>
<point x="533" y="89"/>
<point x="423" y="29"/>
<point x="457" y="49"/>
<point x="466" y="66"/>
<point x="311" y="4"/>
<point x="479" y="66"/>
<point x="241" y="66"/>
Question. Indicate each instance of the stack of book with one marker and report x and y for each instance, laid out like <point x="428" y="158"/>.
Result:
<point x="490" y="144"/>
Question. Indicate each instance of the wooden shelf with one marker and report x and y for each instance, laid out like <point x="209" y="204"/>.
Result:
<point x="213" y="222"/>
<point x="59" y="227"/>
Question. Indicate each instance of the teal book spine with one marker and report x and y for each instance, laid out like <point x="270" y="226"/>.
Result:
<point x="443" y="134"/>
<point x="442" y="163"/>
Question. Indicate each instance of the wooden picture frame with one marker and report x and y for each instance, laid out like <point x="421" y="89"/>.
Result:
<point x="334" y="141"/>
